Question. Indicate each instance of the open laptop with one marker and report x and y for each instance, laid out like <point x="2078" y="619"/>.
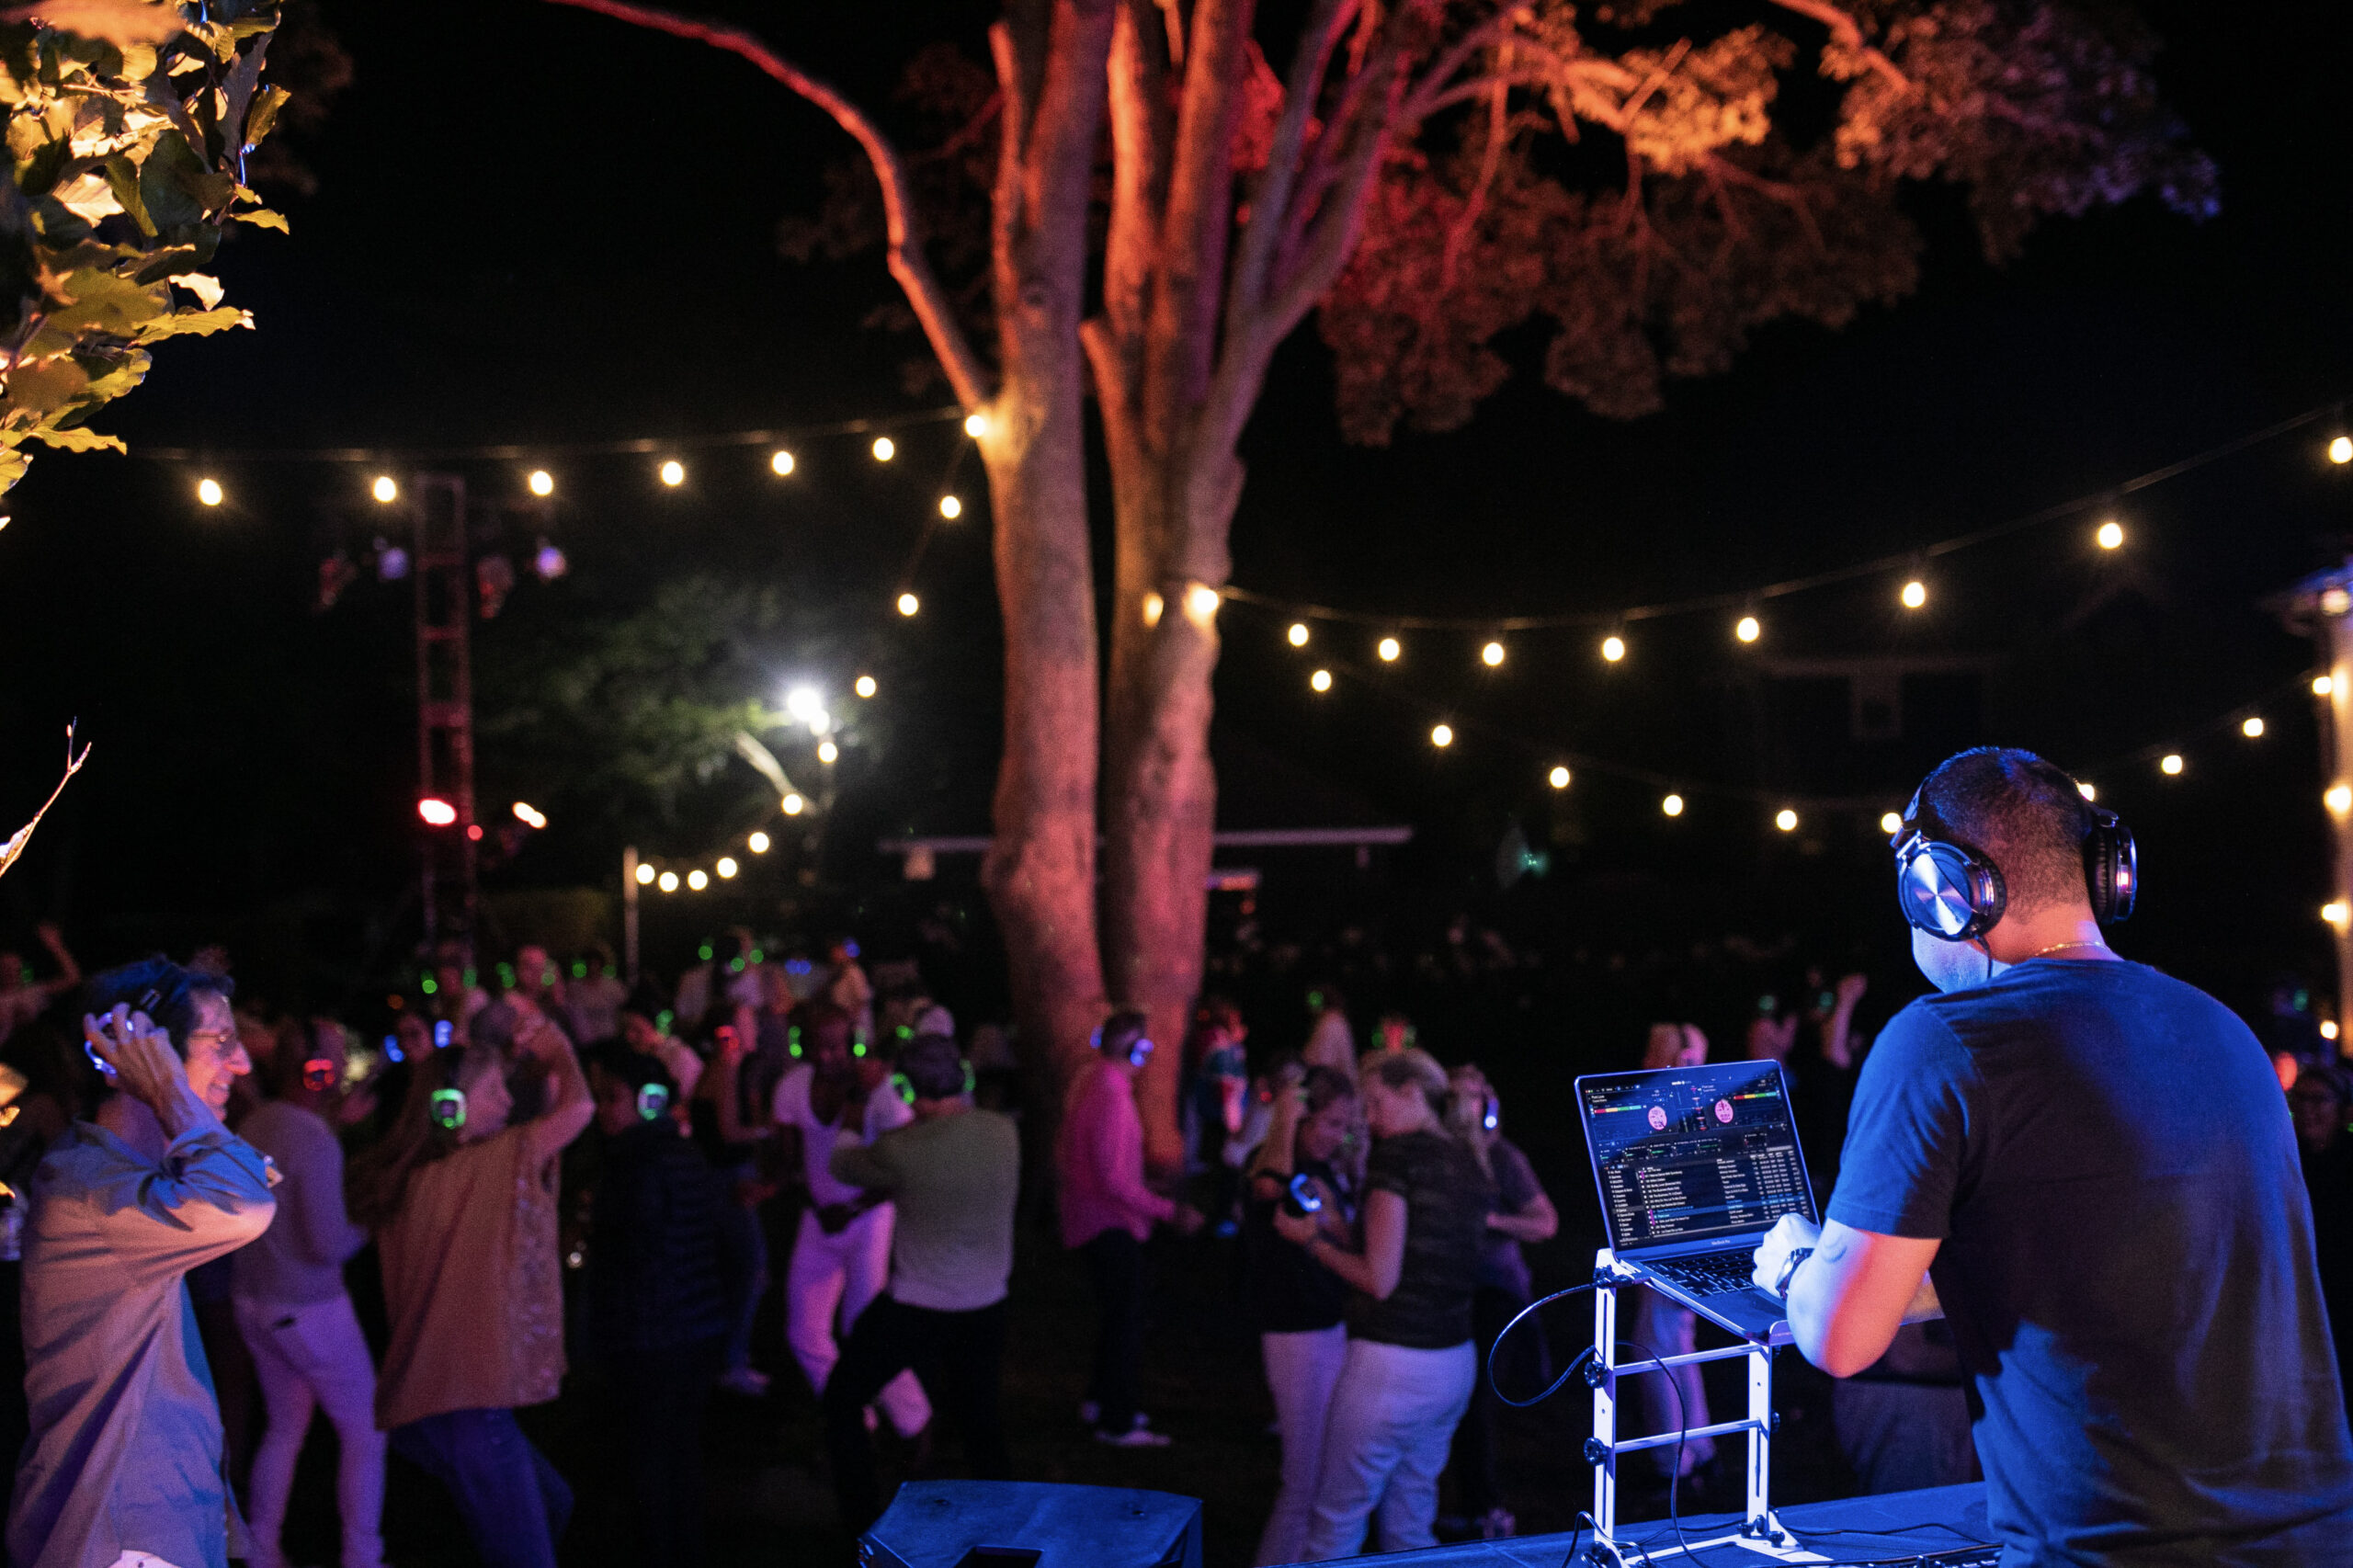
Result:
<point x="1694" y="1165"/>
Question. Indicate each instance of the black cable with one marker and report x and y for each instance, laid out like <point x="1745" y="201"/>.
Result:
<point x="1575" y="1362"/>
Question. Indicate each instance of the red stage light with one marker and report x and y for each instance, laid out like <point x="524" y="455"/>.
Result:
<point x="437" y="812"/>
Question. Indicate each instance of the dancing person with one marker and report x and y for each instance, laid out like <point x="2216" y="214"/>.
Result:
<point x="293" y="1308"/>
<point x="657" y="1313"/>
<point x="841" y="1255"/>
<point x="1407" y="1377"/>
<point x="593" y="995"/>
<point x="2095" y="1161"/>
<point x="21" y="997"/>
<point x="124" y="1459"/>
<point x="952" y="1175"/>
<point x="1218" y="1086"/>
<point x="1676" y="1398"/>
<point x="1522" y="1212"/>
<point x="1108" y="1214"/>
<point x="1300" y="1306"/>
<point x="730" y="1116"/>
<point x="643" y="1031"/>
<point x="463" y="1206"/>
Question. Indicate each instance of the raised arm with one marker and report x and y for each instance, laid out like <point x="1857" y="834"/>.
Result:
<point x="69" y="973"/>
<point x="570" y="1108"/>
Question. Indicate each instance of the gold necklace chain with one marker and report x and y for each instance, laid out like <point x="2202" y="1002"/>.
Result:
<point x="2061" y="946"/>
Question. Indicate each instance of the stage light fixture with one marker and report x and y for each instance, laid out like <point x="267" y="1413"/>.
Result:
<point x="540" y="482"/>
<point x="384" y="489"/>
<point x="885" y="449"/>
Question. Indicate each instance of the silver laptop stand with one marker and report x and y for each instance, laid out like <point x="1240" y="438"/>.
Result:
<point x="1760" y="1531"/>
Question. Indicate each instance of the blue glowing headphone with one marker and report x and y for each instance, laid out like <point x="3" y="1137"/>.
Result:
<point x="653" y="1099"/>
<point x="1952" y="891"/>
<point x="1138" y="1050"/>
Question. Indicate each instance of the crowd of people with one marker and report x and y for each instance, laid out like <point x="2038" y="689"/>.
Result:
<point x="190" y="1173"/>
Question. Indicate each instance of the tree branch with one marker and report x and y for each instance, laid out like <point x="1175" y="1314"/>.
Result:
<point x="904" y="254"/>
<point x="1270" y="199"/>
<point x="1498" y="119"/>
<point x="1847" y="32"/>
<point x="1199" y="214"/>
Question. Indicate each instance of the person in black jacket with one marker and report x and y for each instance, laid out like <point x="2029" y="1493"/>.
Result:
<point x="657" y="1311"/>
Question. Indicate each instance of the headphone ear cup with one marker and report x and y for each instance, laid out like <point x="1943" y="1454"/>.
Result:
<point x="969" y="1079"/>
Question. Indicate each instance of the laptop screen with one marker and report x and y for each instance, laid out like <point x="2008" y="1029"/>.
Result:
<point x="1692" y="1154"/>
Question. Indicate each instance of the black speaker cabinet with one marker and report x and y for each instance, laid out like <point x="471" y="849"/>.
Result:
<point x="1018" y="1524"/>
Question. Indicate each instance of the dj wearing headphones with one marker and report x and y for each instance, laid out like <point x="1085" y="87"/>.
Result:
<point x="2093" y="1163"/>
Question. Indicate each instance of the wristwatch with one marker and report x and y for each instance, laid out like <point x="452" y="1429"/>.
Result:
<point x="1789" y="1271"/>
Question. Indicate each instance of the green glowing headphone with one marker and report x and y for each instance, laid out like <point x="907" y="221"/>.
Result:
<point x="906" y="1088"/>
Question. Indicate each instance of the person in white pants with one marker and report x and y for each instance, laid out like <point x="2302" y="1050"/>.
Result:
<point x="1406" y="1380"/>
<point x="1298" y="1304"/>
<point x="841" y="1257"/>
<point x="286" y="1289"/>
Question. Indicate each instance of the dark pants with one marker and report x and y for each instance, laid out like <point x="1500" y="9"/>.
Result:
<point x="513" y="1502"/>
<point x="661" y="1395"/>
<point x="1115" y="1259"/>
<point x="1476" y="1490"/>
<point x="959" y="1356"/>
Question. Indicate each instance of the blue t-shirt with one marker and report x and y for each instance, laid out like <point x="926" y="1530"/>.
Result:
<point x="2127" y="1265"/>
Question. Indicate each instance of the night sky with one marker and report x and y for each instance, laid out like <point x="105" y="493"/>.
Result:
<point x="533" y="226"/>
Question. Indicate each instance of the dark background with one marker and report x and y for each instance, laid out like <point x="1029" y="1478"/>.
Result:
<point x="533" y="225"/>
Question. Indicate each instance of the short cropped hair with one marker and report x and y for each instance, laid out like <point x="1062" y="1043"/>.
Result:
<point x="1122" y="1030"/>
<point x="2019" y="812"/>
<point x="933" y="1066"/>
<point x="163" y="990"/>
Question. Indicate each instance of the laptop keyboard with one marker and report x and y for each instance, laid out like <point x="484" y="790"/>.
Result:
<point x="1707" y="1277"/>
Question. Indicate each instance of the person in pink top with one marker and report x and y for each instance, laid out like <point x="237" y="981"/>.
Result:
<point x="1108" y="1213"/>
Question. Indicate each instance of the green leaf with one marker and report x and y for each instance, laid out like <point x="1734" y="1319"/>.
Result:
<point x="40" y="171"/>
<point x="122" y="174"/>
<point x="196" y="324"/>
<point x="79" y="440"/>
<point x="264" y="118"/>
<point x="263" y="218"/>
<point x="13" y="464"/>
<point x="46" y="387"/>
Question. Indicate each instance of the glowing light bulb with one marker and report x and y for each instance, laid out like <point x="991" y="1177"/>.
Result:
<point x="540" y="482"/>
<point x="674" y="473"/>
<point x="2328" y="1028"/>
<point x="669" y="882"/>
<point x="1558" y="778"/>
<point x="1492" y="654"/>
<point x="437" y="812"/>
<point x="1672" y="805"/>
<point x="2324" y="685"/>
<point x="1201" y="601"/>
<point x="909" y="603"/>
<point x="802" y="704"/>
<point x="2252" y="728"/>
<point x="1389" y="649"/>
<point x="758" y="844"/>
<point x="209" y="491"/>
<point x="2333" y="601"/>
<point x="793" y="805"/>
<point x="865" y="687"/>
<point x="1442" y="735"/>
<point x="2335" y="914"/>
<point x="644" y="874"/>
<point x="2110" y="535"/>
<point x="885" y="449"/>
<point x="1320" y="681"/>
<point x="1297" y="634"/>
<point x="1890" y="823"/>
<point x="1748" y="628"/>
<point x="1915" y="594"/>
<point x="529" y="815"/>
<point x="2339" y="799"/>
<point x="828" y="753"/>
<point x="2170" y="765"/>
<point x="726" y="867"/>
<point x="950" y="507"/>
<point x="384" y="490"/>
<point x="1614" y="649"/>
<point x="2087" y="791"/>
<point x="2340" y="451"/>
<point x="1786" y="820"/>
<point x="781" y="462"/>
<point x="698" y="879"/>
<point x="976" y="424"/>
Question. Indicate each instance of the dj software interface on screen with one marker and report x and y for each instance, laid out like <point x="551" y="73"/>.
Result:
<point x="1696" y="1152"/>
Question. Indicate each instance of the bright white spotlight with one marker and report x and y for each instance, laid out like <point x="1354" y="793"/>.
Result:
<point x="644" y="874"/>
<point x="1492" y="654"/>
<point x="1915" y="594"/>
<point x="1389" y="650"/>
<point x="2170" y="765"/>
<point x="2110" y="535"/>
<point x="976" y="424"/>
<point x="1320" y="681"/>
<point x="1297" y="634"/>
<point x="1614" y="649"/>
<point x="793" y="805"/>
<point x="1442" y="735"/>
<point x="802" y="704"/>
<point x="828" y="753"/>
<point x="1749" y="629"/>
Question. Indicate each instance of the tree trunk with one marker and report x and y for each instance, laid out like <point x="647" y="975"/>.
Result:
<point x="1040" y="869"/>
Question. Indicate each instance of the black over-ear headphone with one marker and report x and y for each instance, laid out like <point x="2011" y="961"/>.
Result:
<point x="1955" y="893"/>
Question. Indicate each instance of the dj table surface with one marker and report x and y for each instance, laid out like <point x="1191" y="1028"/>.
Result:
<point x="1939" y="1525"/>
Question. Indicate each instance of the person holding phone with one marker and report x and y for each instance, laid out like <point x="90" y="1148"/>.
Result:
<point x="122" y="1206"/>
<point x="1301" y="1307"/>
<point x="463" y="1206"/>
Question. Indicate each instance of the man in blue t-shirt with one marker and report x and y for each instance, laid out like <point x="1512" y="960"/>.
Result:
<point x="2093" y="1164"/>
